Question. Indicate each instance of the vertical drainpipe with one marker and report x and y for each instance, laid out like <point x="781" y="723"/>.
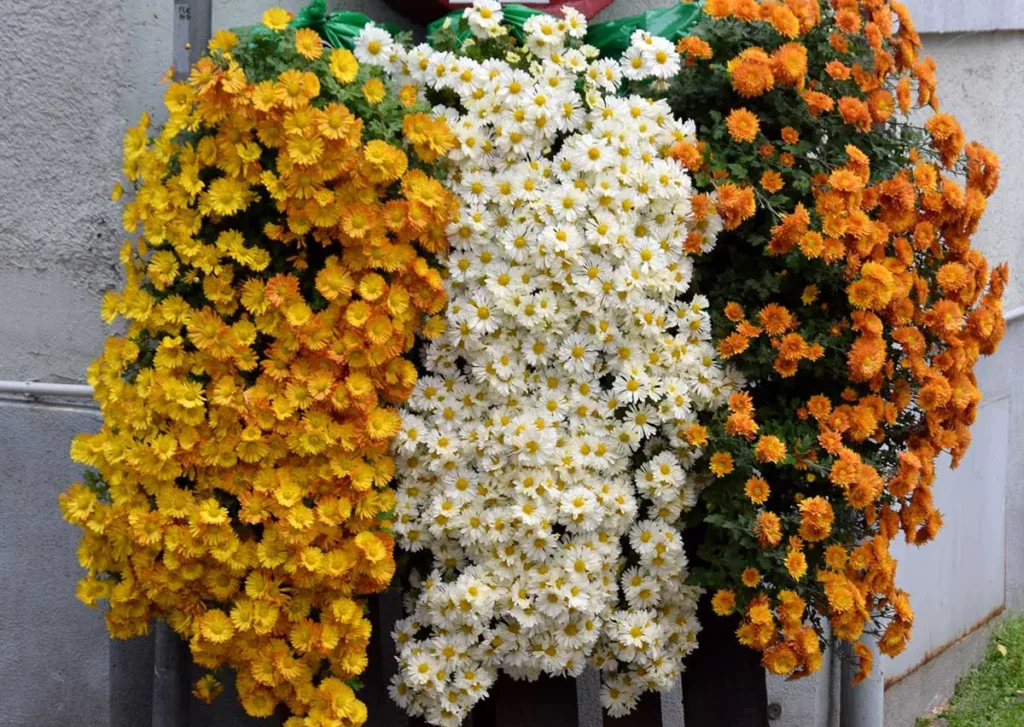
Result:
<point x="192" y="20"/>
<point x="862" y="705"/>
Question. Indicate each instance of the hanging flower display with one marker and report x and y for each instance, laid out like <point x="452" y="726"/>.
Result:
<point x="288" y="214"/>
<point x="846" y="290"/>
<point x="501" y="272"/>
<point x="543" y="458"/>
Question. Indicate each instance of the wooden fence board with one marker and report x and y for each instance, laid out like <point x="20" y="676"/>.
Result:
<point x="385" y="610"/>
<point x="646" y="714"/>
<point x="724" y="682"/>
<point x="547" y="702"/>
<point x="131" y="681"/>
<point x="171" y="684"/>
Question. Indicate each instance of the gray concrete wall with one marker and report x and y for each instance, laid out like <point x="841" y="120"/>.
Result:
<point x="955" y="16"/>
<point x="54" y="652"/>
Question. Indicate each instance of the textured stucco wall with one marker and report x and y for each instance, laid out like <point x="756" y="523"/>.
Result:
<point x="71" y="79"/>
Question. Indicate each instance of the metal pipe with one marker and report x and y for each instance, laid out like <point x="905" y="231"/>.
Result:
<point x="83" y="391"/>
<point x="39" y="388"/>
<point x="192" y="28"/>
<point x="862" y="705"/>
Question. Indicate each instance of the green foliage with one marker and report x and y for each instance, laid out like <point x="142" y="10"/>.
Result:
<point x="992" y="694"/>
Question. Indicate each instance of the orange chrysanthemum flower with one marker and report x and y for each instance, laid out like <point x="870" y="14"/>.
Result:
<point x="751" y="73"/>
<point x="724" y="602"/>
<point x="770" y="449"/>
<point x="721" y="464"/>
<point x="694" y="48"/>
<point x="771" y="181"/>
<point x="783" y="20"/>
<point x="696" y="435"/>
<point x="757" y="490"/>
<point x="741" y="424"/>
<point x="308" y="44"/>
<point x="743" y="125"/>
<point x="733" y="345"/>
<point x="796" y="564"/>
<point x="768" y="529"/>
<point x="818" y="103"/>
<point x="947" y="137"/>
<point x="855" y="113"/>
<point x="750" y="577"/>
<point x="735" y="204"/>
<point x="776" y="319"/>
<point x="816" y="518"/>
<point x="741" y="402"/>
<point x="838" y="70"/>
<point x="789" y="65"/>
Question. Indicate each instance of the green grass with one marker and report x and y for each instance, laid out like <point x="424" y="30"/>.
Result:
<point x="992" y="693"/>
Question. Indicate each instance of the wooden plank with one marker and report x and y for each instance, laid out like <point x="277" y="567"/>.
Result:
<point x="724" y="682"/>
<point x="131" y="681"/>
<point x="646" y="714"/>
<point x="420" y="722"/>
<point x="172" y="685"/>
<point x="226" y="710"/>
<point x="385" y="610"/>
<point x="547" y="702"/>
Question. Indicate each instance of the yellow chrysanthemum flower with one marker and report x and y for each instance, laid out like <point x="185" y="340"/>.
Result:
<point x="373" y="91"/>
<point x="344" y="66"/>
<point x="308" y="44"/>
<point x="243" y="458"/>
<point x="276" y="19"/>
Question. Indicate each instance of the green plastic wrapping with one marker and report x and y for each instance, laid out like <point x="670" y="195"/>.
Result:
<point x="612" y="37"/>
<point x="340" y="28"/>
<point x="515" y="16"/>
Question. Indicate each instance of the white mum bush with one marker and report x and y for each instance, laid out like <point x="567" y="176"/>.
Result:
<point x="543" y="463"/>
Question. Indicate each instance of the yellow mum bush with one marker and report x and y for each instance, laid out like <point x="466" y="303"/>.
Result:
<point x="239" y="486"/>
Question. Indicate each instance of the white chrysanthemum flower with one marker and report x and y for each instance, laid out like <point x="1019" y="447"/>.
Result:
<point x="374" y="46"/>
<point x="575" y="23"/>
<point x="543" y="464"/>
<point x="545" y="35"/>
<point x="485" y="18"/>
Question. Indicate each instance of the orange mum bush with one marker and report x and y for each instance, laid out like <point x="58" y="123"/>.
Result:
<point x="239" y="490"/>
<point x="845" y="288"/>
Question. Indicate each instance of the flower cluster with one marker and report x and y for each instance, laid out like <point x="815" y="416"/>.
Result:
<point x="542" y="462"/>
<point x="288" y="214"/>
<point x="846" y="287"/>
